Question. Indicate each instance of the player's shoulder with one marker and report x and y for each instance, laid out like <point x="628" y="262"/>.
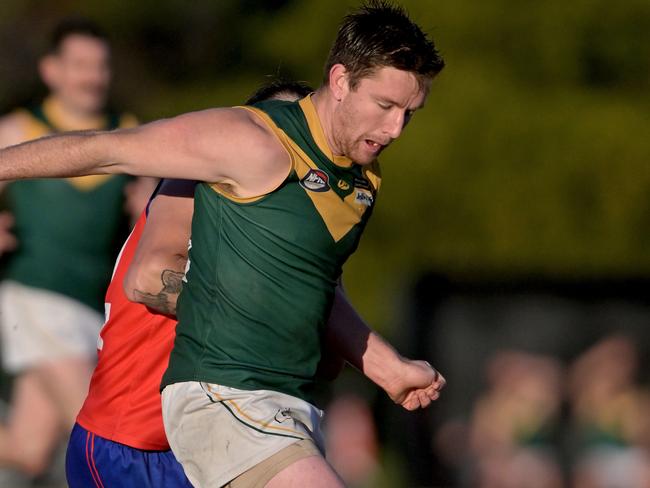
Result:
<point x="269" y="138"/>
<point x="230" y="135"/>
<point x="250" y="130"/>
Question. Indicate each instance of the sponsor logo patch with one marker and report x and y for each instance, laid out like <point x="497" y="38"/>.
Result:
<point x="315" y="180"/>
<point x="364" y="197"/>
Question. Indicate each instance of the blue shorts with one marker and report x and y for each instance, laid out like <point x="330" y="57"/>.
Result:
<point x="94" y="462"/>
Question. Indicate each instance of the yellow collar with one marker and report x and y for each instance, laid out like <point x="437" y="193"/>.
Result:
<point x="55" y="114"/>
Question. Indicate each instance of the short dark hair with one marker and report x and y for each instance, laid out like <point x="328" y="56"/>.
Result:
<point x="380" y="34"/>
<point x="75" y="26"/>
<point x="279" y="86"/>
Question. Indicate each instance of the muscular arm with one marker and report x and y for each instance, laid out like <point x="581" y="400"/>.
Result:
<point x="155" y="275"/>
<point x="217" y="145"/>
<point x="412" y="384"/>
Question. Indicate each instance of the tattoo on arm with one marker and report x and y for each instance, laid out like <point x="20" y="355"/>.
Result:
<point x="165" y="301"/>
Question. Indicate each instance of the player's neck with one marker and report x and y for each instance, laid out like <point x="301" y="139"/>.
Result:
<point x="325" y="105"/>
<point x="66" y="117"/>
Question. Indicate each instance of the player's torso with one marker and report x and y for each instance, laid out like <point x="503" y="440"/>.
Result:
<point x="66" y="227"/>
<point x="263" y="271"/>
<point x="123" y="402"/>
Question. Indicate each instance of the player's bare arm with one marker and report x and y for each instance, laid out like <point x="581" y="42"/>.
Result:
<point x="156" y="272"/>
<point x="411" y="384"/>
<point x="230" y="146"/>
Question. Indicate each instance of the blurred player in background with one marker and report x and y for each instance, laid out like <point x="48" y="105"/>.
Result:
<point x="63" y="239"/>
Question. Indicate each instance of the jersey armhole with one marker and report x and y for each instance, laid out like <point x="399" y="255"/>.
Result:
<point x="282" y="138"/>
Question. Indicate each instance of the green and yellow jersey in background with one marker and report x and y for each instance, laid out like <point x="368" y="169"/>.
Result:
<point x="67" y="229"/>
<point x="263" y="271"/>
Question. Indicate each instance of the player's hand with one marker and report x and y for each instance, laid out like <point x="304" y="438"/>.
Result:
<point x="8" y="241"/>
<point x="416" y="385"/>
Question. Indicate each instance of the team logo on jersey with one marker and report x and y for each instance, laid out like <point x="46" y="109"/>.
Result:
<point x="315" y="180"/>
<point x="364" y="197"/>
<point x="343" y="185"/>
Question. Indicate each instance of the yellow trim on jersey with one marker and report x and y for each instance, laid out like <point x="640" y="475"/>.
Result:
<point x="217" y="187"/>
<point x="318" y="134"/>
<point x="282" y="137"/>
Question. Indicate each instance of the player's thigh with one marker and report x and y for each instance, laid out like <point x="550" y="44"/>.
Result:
<point x="312" y="471"/>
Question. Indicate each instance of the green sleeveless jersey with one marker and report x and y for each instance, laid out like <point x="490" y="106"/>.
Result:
<point x="263" y="271"/>
<point x="67" y="229"/>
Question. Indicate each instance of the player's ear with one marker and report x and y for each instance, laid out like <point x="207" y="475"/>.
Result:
<point x="48" y="70"/>
<point x="338" y="81"/>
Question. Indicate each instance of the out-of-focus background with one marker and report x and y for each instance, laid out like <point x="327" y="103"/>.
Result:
<point x="511" y="241"/>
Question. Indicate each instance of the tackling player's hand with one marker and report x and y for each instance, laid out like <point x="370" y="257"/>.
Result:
<point x="416" y="385"/>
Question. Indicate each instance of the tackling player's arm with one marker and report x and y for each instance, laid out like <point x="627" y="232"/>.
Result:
<point x="229" y="145"/>
<point x="155" y="275"/>
<point x="412" y="384"/>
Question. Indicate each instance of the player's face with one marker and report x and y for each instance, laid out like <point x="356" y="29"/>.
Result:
<point x="370" y="117"/>
<point x="80" y="73"/>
